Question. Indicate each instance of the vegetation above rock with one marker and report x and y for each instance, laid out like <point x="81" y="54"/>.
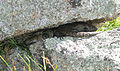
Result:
<point x="110" y="25"/>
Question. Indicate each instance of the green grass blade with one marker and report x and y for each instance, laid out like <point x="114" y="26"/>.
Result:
<point x="55" y="68"/>
<point x="29" y="62"/>
<point x="6" y="63"/>
<point x="23" y="59"/>
<point x="36" y="63"/>
<point x="13" y="42"/>
<point x="0" y="44"/>
<point x="44" y="60"/>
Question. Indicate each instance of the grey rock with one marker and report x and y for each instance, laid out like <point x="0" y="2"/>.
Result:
<point x="14" y="60"/>
<point x="97" y="53"/>
<point x="26" y="16"/>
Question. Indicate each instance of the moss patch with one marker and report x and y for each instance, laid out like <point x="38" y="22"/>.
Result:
<point x="110" y="25"/>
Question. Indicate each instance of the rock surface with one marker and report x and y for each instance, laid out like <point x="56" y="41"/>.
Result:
<point x="97" y="53"/>
<point x="21" y="16"/>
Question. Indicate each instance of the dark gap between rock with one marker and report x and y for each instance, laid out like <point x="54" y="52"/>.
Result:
<point x="60" y="31"/>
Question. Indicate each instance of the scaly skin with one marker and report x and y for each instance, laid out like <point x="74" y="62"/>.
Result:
<point x="75" y="30"/>
<point x="82" y="34"/>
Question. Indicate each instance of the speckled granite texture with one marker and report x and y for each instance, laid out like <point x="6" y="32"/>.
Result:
<point x="22" y="16"/>
<point x="98" y="53"/>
